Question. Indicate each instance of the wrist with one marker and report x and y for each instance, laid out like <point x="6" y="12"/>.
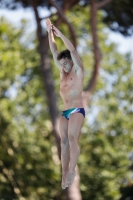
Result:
<point x="61" y="35"/>
<point x="50" y="31"/>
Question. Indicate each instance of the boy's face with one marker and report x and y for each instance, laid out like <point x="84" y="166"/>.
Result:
<point x="66" y="64"/>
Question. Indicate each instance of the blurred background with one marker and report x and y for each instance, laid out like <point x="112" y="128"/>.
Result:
<point x="30" y="104"/>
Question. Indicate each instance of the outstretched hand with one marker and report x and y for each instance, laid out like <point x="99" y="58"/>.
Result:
<point x="48" y="24"/>
<point x="51" y="26"/>
<point x="56" y="31"/>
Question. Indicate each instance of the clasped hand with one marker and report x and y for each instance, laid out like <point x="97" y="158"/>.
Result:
<point x="50" y="26"/>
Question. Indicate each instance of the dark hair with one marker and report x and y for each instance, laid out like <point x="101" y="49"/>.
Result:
<point x="64" y="54"/>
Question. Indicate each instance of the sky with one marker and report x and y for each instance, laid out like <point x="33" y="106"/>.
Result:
<point x="125" y="44"/>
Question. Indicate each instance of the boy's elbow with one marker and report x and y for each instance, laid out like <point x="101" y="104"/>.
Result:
<point x="72" y="49"/>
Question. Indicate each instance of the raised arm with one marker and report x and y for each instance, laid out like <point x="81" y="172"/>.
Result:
<point x="52" y="43"/>
<point x="75" y="57"/>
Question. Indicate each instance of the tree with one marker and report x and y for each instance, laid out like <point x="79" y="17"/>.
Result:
<point x="27" y="161"/>
<point x="44" y="56"/>
<point x="118" y="15"/>
<point x="105" y="146"/>
<point x="27" y="133"/>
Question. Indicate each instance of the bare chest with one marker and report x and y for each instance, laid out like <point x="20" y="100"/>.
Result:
<point x="71" y="83"/>
<point x="67" y="83"/>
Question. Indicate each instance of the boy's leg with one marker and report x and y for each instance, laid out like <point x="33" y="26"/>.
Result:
<point x="65" y="157"/>
<point x="74" y="130"/>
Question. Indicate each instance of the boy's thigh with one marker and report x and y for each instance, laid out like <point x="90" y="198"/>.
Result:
<point x="63" y="128"/>
<point x="74" y="126"/>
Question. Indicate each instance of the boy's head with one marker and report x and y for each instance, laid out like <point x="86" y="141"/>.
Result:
<point x="64" y="54"/>
<point x="65" y="60"/>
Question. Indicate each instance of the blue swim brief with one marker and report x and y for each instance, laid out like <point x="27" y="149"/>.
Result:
<point x="67" y="113"/>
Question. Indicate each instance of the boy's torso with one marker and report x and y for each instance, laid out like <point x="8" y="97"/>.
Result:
<point x="71" y="88"/>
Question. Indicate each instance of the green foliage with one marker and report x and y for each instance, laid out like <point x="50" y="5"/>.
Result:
<point x="107" y="134"/>
<point x="28" y="158"/>
<point x="29" y="166"/>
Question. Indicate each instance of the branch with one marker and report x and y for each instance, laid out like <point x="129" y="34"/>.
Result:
<point x="97" y="55"/>
<point x="103" y="3"/>
<point x="67" y="5"/>
<point x="96" y="50"/>
<point x="61" y="14"/>
<point x="39" y="28"/>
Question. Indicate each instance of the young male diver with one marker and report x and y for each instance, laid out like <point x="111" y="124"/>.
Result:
<point x="71" y="84"/>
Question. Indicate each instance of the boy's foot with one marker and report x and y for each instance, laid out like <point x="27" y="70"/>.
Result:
<point x="63" y="180"/>
<point x="69" y="178"/>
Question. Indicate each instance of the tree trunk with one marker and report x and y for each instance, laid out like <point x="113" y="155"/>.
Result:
<point x="96" y="51"/>
<point x="73" y="192"/>
<point x="47" y="78"/>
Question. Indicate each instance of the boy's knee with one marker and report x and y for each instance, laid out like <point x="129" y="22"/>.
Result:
<point x="72" y="139"/>
<point x="64" y="142"/>
<point x="73" y="143"/>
